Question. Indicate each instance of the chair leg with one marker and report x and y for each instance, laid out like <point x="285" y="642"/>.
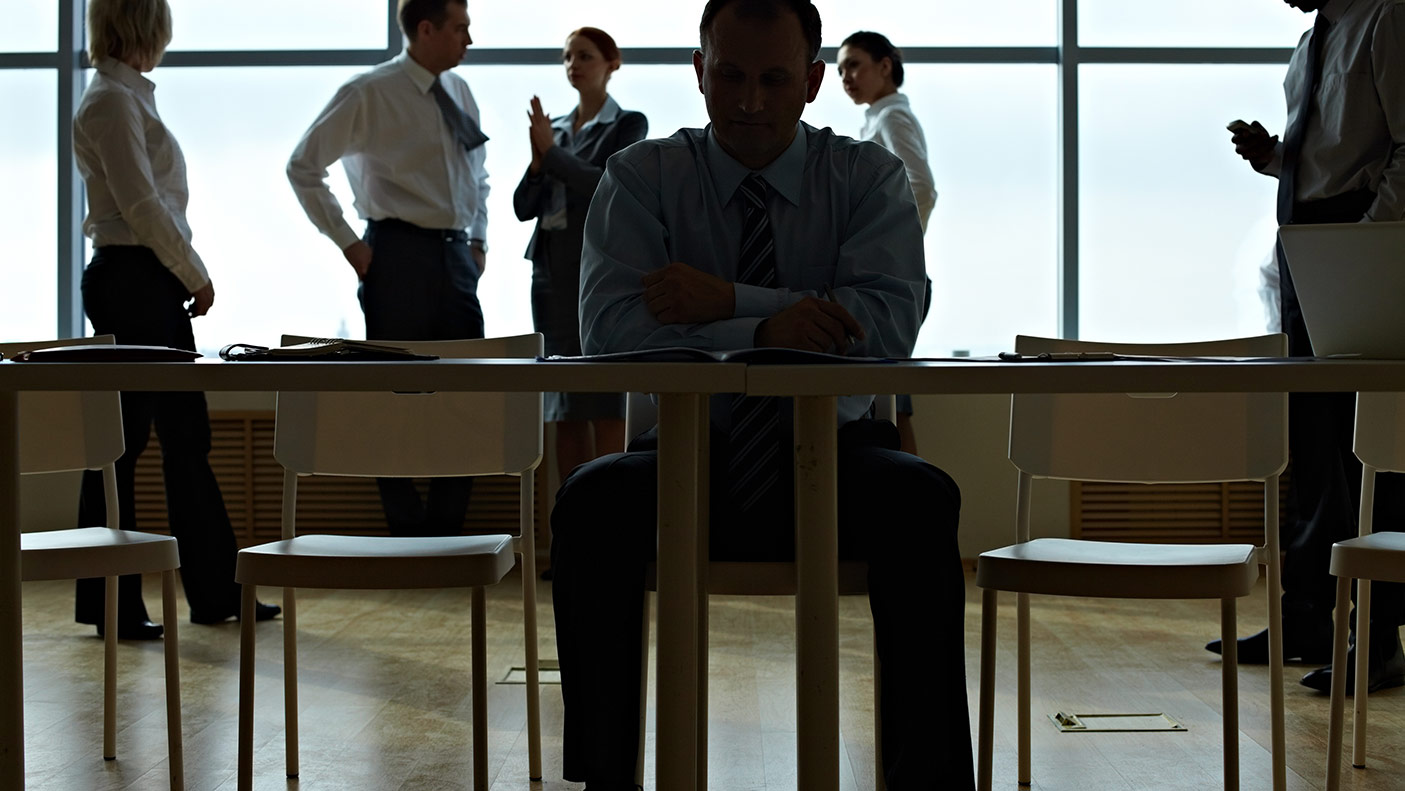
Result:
<point x="174" y="745"/>
<point x="1334" y="725"/>
<point x="109" y="671"/>
<point x="1230" y="668"/>
<point x="643" y="692"/>
<point x="290" y="680"/>
<point x="880" y="782"/>
<point x="1022" y="630"/>
<point x="527" y="542"/>
<point x="986" y="729"/>
<point x="480" y="690"/>
<point x="1363" y="673"/>
<point x="248" y="599"/>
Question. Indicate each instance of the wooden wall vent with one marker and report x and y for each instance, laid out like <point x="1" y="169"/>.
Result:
<point x="1172" y="513"/>
<point x="251" y="481"/>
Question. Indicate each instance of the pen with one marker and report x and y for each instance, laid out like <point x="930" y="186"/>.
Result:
<point x="829" y="295"/>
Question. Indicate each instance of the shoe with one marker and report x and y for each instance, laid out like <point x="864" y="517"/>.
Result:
<point x="547" y="574"/>
<point x="1253" y="650"/>
<point x="137" y="630"/>
<point x="1384" y="673"/>
<point x="262" y="612"/>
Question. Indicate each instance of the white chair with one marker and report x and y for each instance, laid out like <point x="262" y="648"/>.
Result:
<point x="1380" y="444"/>
<point x="448" y="434"/>
<point x="62" y="432"/>
<point x="743" y="578"/>
<point x="1142" y="438"/>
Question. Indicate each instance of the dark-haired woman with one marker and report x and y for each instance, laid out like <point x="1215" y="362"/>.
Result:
<point x="872" y="71"/>
<point x="568" y="159"/>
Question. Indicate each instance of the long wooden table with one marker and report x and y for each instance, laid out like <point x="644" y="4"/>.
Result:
<point x="815" y="388"/>
<point x="682" y="387"/>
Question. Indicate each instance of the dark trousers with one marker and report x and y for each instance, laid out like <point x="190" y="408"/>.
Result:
<point x="1326" y="475"/>
<point x="896" y="511"/>
<point x="129" y="294"/>
<point x="422" y="285"/>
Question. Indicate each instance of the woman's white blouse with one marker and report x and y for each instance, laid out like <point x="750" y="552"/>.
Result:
<point x="134" y="171"/>
<point x="890" y="123"/>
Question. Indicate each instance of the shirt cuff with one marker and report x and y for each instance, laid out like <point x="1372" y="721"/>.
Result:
<point x="755" y="301"/>
<point x="343" y="236"/>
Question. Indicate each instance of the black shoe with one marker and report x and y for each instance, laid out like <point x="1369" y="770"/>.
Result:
<point x="1387" y="669"/>
<point x="137" y="630"/>
<point x="1253" y="650"/>
<point x="262" y="612"/>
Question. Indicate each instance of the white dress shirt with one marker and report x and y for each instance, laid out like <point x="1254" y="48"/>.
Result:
<point x="134" y="171"/>
<point x="1355" y="138"/>
<point x="402" y="160"/>
<point x="889" y="122"/>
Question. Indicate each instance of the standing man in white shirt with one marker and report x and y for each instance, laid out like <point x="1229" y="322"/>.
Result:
<point x="407" y="134"/>
<point x="1341" y="159"/>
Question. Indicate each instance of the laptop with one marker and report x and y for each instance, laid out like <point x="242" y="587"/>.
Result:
<point x="1350" y="279"/>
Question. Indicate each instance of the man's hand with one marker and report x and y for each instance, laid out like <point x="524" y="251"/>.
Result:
<point x="811" y="324"/>
<point x="201" y="300"/>
<point x="1255" y="145"/>
<point x="680" y="294"/>
<point x="358" y="254"/>
<point x="480" y="257"/>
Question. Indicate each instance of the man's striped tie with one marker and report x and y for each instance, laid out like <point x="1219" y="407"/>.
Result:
<point x="754" y="437"/>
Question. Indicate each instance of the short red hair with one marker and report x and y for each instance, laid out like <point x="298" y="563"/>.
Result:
<point x="600" y="39"/>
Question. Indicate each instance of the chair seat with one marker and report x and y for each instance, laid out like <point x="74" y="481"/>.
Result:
<point x="1070" y="567"/>
<point x="377" y="562"/>
<point x="94" y="552"/>
<point x="1378" y="556"/>
<point x="766" y="578"/>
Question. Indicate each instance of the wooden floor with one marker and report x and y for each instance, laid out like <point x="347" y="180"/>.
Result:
<point x="385" y="697"/>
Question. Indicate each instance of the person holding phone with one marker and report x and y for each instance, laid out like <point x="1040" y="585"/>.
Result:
<point x="1340" y="159"/>
<point x="568" y="159"/>
<point x="144" y="285"/>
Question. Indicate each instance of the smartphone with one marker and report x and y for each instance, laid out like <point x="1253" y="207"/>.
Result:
<point x="1238" y="126"/>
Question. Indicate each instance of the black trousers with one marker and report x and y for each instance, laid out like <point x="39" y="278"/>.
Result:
<point x="896" y="511"/>
<point x="128" y="293"/>
<point x="422" y="285"/>
<point x="1326" y="475"/>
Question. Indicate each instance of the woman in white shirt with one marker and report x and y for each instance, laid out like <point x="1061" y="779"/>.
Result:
<point x="144" y="285"/>
<point x="872" y="71"/>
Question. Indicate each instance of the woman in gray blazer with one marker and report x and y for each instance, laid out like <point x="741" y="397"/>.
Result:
<point x="568" y="159"/>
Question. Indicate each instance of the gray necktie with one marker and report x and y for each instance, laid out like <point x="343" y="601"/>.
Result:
<point x="465" y="129"/>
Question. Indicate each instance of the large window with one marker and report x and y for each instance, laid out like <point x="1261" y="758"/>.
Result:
<point x="1160" y="236"/>
<point x="1174" y="225"/>
<point x="28" y="203"/>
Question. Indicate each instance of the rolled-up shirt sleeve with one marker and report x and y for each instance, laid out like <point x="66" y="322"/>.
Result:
<point x="121" y="150"/>
<point x="337" y="131"/>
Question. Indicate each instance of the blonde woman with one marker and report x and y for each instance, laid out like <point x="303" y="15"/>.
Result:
<point x="144" y="285"/>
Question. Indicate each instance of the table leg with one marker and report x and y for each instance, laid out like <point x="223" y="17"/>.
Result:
<point x="676" y="763"/>
<point x="11" y="645"/>
<point x="817" y="599"/>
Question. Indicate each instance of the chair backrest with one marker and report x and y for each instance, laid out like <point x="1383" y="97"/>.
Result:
<point x="1152" y="438"/>
<point x="415" y="434"/>
<point x="62" y="431"/>
<point x="642" y="414"/>
<point x="1380" y="430"/>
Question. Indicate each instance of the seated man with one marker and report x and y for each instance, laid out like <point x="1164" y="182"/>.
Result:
<point x="730" y="237"/>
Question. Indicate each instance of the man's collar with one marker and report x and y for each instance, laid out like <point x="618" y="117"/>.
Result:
<point x="1334" y="10"/>
<point x="419" y="75"/>
<point x="784" y="174"/>
<point x="128" y="76"/>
